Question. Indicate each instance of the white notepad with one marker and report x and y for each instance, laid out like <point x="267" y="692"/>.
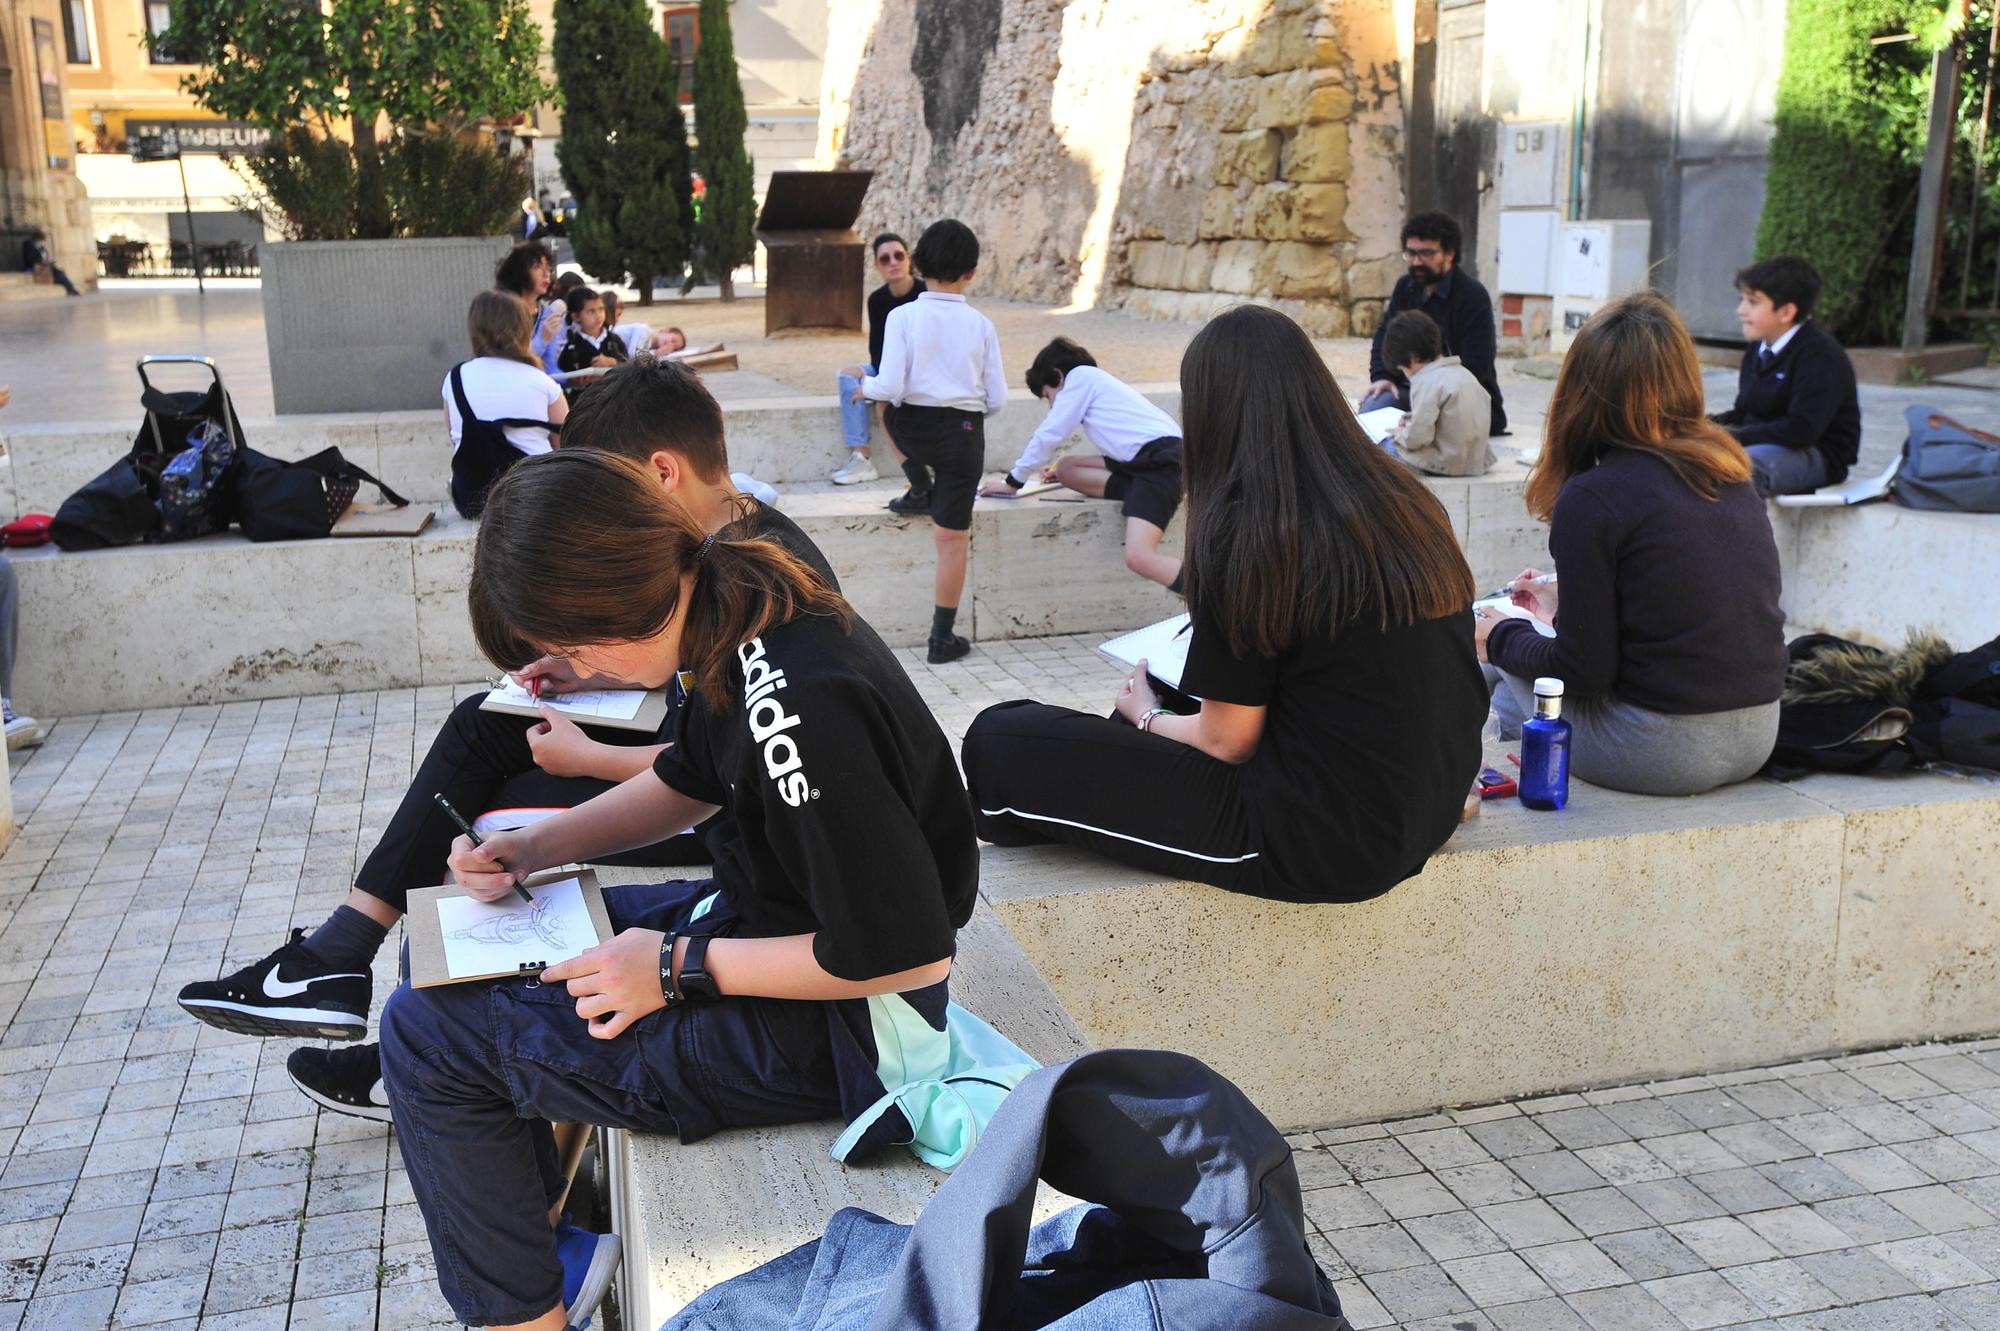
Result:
<point x="1501" y="605"/>
<point x="1162" y="646"/>
<point x="600" y="704"/>
<point x="1381" y="422"/>
<point x="1854" y="492"/>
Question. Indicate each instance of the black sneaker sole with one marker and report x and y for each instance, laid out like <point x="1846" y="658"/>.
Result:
<point x="241" y="1019"/>
<point x="374" y="1113"/>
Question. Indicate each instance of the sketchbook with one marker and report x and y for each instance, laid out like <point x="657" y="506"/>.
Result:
<point x="1501" y="605"/>
<point x="455" y="938"/>
<point x="622" y="709"/>
<point x="1162" y="646"/>
<point x="1854" y="492"/>
<point x="1381" y="422"/>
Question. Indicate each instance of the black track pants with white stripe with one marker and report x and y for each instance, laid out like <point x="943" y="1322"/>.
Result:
<point x="1040" y="773"/>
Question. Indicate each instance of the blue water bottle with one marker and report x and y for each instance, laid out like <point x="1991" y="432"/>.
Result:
<point x="1545" y="749"/>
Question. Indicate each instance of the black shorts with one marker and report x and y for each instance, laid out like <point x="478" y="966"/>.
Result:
<point x="952" y="443"/>
<point x="1150" y="484"/>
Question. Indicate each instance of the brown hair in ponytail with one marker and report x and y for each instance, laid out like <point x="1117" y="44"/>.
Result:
<point x="579" y="548"/>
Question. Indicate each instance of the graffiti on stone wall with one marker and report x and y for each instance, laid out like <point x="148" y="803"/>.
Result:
<point x="954" y="39"/>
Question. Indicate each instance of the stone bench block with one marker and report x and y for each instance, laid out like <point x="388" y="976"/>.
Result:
<point x="214" y="620"/>
<point x="1621" y="939"/>
<point x="693" y="1216"/>
<point x="1874" y="571"/>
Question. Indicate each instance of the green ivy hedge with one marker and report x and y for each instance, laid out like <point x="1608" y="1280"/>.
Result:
<point x="1841" y="185"/>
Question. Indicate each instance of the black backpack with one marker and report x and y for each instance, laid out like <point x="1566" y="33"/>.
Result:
<point x="291" y="501"/>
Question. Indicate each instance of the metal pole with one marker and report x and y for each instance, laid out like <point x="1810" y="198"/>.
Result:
<point x="1979" y="164"/>
<point x="1931" y="188"/>
<point x="187" y="210"/>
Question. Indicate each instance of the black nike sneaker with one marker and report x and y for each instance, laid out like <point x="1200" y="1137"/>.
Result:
<point x="912" y="501"/>
<point x="291" y="992"/>
<point x="347" y="1081"/>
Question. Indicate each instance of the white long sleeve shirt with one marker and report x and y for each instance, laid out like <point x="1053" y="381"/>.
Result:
<point x="1116" y="419"/>
<point x="939" y="352"/>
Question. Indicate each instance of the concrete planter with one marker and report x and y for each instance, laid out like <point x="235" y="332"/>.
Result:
<point x="370" y="325"/>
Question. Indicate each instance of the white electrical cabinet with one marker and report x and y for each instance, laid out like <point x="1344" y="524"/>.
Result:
<point x="1596" y="262"/>
<point x="1528" y="251"/>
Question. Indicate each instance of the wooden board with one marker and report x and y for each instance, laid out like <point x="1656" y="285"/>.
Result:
<point x="426" y="936"/>
<point x="383" y="520"/>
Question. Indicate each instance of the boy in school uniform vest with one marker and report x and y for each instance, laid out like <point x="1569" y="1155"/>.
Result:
<point x="1797" y="412"/>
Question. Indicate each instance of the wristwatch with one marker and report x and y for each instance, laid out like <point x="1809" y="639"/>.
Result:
<point x="695" y="981"/>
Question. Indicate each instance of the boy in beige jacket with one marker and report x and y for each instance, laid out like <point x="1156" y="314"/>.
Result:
<point x="1450" y="414"/>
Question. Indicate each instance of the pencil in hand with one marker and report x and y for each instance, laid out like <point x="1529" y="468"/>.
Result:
<point x="478" y="840"/>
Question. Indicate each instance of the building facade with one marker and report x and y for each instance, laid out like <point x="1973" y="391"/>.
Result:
<point x="38" y="183"/>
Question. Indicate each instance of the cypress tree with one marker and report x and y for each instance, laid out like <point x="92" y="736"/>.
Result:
<point x="728" y="207"/>
<point x="624" y="151"/>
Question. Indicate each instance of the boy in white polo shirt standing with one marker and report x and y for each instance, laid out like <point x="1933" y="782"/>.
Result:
<point x="941" y="376"/>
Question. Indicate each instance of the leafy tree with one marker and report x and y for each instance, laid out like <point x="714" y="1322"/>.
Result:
<point x="728" y="207"/>
<point x="624" y="150"/>
<point x="279" y="63"/>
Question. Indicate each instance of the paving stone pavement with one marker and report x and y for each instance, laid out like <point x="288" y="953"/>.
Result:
<point x="157" y="1173"/>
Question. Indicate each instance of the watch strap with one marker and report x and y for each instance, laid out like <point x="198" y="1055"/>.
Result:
<point x="695" y="981"/>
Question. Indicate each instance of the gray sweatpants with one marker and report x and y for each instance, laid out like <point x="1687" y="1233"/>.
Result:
<point x="1624" y="747"/>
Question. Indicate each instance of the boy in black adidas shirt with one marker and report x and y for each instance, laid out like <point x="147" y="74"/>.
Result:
<point x="761" y="998"/>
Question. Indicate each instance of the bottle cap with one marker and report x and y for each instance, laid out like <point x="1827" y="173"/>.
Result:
<point x="1548" y="686"/>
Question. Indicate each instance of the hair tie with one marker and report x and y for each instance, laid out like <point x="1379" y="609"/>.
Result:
<point x="707" y="544"/>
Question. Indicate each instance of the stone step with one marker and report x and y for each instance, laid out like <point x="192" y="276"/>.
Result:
<point x="680" y="1209"/>
<point x="22" y="287"/>
<point x="1625" y="938"/>
<point x="220" y="619"/>
<point x="781" y="441"/>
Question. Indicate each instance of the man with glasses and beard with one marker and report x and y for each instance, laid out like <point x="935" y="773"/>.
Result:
<point x="1453" y="299"/>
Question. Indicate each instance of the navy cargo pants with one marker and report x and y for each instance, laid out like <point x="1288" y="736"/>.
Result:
<point x="476" y="1073"/>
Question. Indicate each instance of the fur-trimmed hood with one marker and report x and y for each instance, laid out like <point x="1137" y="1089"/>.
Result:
<point x="1849" y="672"/>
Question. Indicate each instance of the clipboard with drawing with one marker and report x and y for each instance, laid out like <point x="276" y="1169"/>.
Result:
<point x="455" y="938"/>
<point x="622" y="709"/>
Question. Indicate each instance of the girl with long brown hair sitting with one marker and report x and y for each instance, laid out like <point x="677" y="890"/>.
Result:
<point x="1668" y="637"/>
<point x="1338" y="724"/>
<point x="792" y="987"/>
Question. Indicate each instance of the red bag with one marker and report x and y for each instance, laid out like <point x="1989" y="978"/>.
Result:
<point x="30" y="529"/>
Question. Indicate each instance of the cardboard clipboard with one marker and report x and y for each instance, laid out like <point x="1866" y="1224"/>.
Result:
<point x="651" y="716"/>
<point x="383" y="520"/>
<point x="426" y="935"/>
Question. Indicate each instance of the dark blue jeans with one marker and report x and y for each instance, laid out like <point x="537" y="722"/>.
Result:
<point x="477" y="1072"/>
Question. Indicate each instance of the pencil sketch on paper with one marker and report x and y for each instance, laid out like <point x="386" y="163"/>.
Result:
<point x="498" y="938"/>
<point x="516" y="926"/>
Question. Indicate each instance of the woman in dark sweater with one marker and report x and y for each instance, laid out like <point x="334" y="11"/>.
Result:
<point x="1332" y="730"/>
<point x="1668" y="637"/>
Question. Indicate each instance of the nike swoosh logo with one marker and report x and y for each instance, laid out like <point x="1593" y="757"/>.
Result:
<point x="277" y="988"/>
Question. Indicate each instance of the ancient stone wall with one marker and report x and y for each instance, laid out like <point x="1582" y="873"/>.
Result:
<point x="1167" y="158"/>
